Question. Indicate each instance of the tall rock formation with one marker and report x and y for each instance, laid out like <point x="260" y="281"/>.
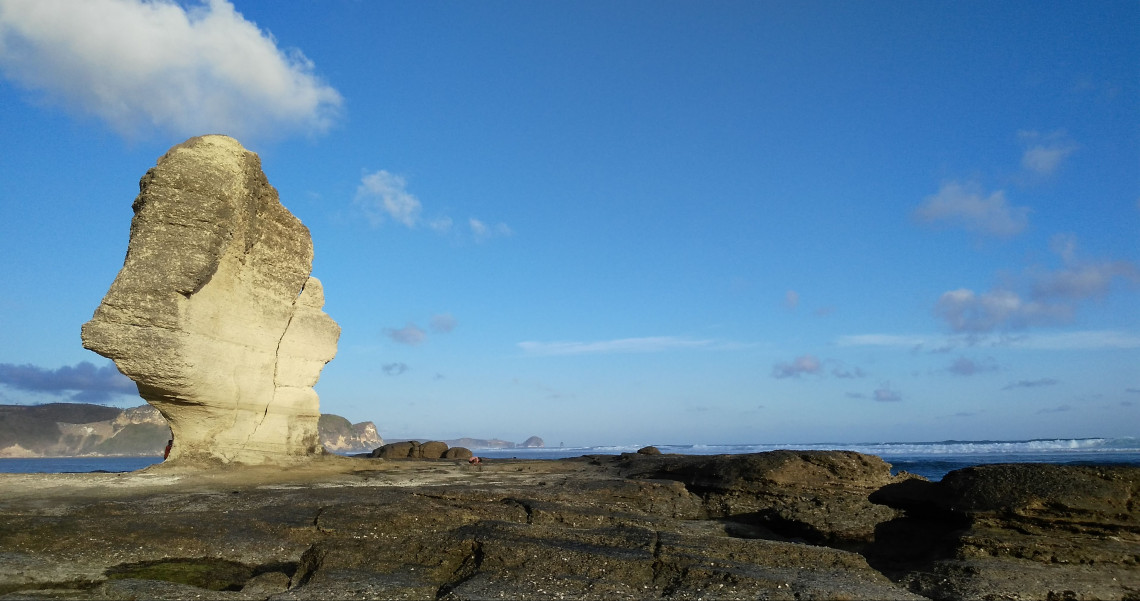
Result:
<point x="214" y="314"/>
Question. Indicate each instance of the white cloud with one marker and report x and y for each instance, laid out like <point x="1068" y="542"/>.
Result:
<point x="804" y="364"/>
<point x="893" y="340"/>
<point x="1045" y="152"/>
<point x="142" y="66"/>
<point x="481" y="231"/>
<point x="967" y="311"/>
<point x="964" y="205"/>
<point x="410" y="334"/>
<point x="1079" y="279"/>
<point x="652" y="344"/>
<point x="382" y="194"/>
<point x="441" y="224"/>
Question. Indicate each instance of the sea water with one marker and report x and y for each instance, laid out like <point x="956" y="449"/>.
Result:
<point x="929" y="459"/>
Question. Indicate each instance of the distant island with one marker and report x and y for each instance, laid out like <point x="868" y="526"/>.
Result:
<point x="533" y="442"/>
<point x="81" y="429"/>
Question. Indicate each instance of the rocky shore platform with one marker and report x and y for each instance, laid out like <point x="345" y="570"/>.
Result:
<point x="778" y="525"/>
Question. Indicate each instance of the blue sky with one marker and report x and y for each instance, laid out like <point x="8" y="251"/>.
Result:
<point x="621" y="222"/>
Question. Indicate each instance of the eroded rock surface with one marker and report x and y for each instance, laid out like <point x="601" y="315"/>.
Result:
<point x="782" y="525"/>
<point x="214" y="314"/>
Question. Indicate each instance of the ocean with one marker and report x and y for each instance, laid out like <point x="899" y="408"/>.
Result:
<point x="932" y="460"/>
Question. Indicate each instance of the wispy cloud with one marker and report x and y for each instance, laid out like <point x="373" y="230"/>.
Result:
<point x="84" y="382"/>
<point x="651" y="344"/>
<point x="791" y="299"/>
<point x="410" y="334"/>
<point x="483" y="232"/>
<point x="140" y="65"/>
<point x="1045" y="152"/>
<point x="964" y="366"/>
<point x="1062" y="341"/>
<point x="964" y="205"/>
<point x="382" y="196"/>
<point x="886" y="394"/>
<point x="1030" y="383"/>
<point x="442" y="323"/>
<point x="890" y="340"/>
<point x="804" y="364"/>
<point x="394" y="369"/>
<point x="1057" y="409"/>
<point x="967" y="311"/>
<point x="843" y="372"/>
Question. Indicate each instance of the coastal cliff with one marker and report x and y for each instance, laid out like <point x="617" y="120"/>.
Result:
<point x="778" y="525"/>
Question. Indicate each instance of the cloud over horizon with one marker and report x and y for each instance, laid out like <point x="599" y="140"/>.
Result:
<point x="964" y="366"/>
<point x="1048" y="297"/>
<point x="650" y="344"/>
<point x="142" y="66"/>
<point x="804" y="364"/>
<point x="1030" y="383"/>
<point x="84" y="382"/>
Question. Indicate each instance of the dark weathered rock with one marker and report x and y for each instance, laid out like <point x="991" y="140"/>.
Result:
<point x="783" y="491"/>
<point x="601" y="527"/>
<point x="395" y="450"/>
<point x="458" y="453"/>
<point x="650" y="450"/>
<point x="1046" y="531"/>
<point x="433" y="450"/>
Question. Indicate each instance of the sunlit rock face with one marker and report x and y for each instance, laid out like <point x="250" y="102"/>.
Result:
<point x="214" y="314"/>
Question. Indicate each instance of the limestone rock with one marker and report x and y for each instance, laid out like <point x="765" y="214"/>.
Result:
<point x="214" y="314"/>
<point x="341" y="436"/>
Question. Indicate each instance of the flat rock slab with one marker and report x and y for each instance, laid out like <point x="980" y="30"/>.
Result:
<point x="602" y="527"/>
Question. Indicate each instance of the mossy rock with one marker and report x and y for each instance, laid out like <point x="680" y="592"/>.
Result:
<point x="208" y="573"/>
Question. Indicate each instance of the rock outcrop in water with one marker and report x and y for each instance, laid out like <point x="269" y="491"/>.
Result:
<point x="214" y="314"/>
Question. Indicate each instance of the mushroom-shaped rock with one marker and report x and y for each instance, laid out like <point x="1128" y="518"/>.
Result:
<point x="214" y="314"/>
